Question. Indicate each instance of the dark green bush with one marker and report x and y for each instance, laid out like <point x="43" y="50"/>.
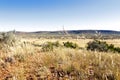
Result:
<point x="97" y="46"/>
<point x="111" y="48"/>
<point x="117" y="49"/>
<point x="102" y="46"/>
<point x="70" y="45"/>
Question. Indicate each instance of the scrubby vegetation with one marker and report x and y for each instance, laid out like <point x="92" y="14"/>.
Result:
<point x="97" y="46"/>
<point x="101" y="46"/>
<point x="49" y="46"/>
<point x="70" y="45"/>
<point x="7" y="39"/>
<point x="59" y="60"/>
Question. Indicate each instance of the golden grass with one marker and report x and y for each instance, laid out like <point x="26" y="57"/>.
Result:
<point x="30" y="62"/>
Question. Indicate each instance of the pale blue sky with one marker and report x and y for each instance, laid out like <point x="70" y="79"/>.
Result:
<point x="42" y="15"/>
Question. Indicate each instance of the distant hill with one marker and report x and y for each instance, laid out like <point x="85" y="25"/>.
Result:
<point x="106" y="34"/>
<point x="81" y="31"/>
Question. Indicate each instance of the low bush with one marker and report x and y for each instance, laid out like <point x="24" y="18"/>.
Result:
<point x="49" y="46"/>
<point x="56" y="44"/>
<point x="101" y="46"/>
<point x="111" y="48"/>
<point x="117" y="49"/>
<point x="97" y="46"/>
<point x="70" y="45"/>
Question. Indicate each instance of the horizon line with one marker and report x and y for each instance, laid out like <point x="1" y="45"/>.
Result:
<point x="62" y="30"/>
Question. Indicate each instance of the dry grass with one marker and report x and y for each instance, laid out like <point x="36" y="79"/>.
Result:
<point x="27" y="62"/>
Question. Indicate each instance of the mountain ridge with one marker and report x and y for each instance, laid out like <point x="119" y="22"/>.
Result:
<point x="81" y="31"/>
<point x="70" y="32"/>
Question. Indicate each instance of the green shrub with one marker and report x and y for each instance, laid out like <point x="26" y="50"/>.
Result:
<point x="56" y="44"/>
<point x="97" y="46"/>
<point x="117" y="49"/>
<point x="101" y="46"/>
<point x="70" y="45"/>
<point x="111" y="48"/>
<point x="49" y="46"/>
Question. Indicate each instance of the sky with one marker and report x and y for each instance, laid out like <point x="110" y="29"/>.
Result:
<point x="52" y="15"/>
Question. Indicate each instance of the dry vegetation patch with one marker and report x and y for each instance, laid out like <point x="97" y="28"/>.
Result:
<point x="25" y="61"/>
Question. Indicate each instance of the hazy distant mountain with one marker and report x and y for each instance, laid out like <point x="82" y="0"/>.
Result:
<point x="70" y="32"/>
<point x="81" y="31"/>
<point x="73" y="33"/>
